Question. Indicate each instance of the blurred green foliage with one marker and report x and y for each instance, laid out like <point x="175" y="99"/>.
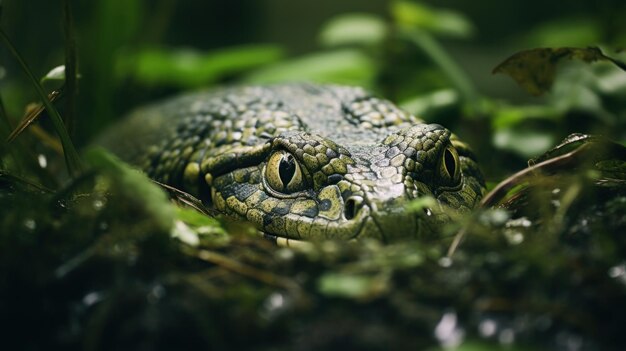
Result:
<point x="101" y="259"/>
<point x="187" y="68"/>
<point x="403" y="51"/>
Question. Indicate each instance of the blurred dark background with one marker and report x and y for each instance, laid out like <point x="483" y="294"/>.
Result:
<point x="132" y="52"/>
<point x="89" y="259"/>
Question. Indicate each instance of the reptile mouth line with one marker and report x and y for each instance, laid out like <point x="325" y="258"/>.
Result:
<point x="284" y="241"/>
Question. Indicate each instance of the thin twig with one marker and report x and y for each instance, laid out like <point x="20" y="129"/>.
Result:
<point x="24" y="181"/>
<point x="47" y="139"/>
<point x="187" y="199"/>
<point x="500" y="190"/>
<point x="246" y="270"/>
<point x="497" y="193"/>
<point x="31" y="116"/>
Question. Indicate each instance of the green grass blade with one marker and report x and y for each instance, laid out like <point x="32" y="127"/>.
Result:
<point x="5" y="128"/>
<point x="451" y="69"/>
<point x="72" y="160"/>
<point x="71" y="72"/>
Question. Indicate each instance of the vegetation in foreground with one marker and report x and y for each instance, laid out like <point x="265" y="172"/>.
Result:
<point x="95" y="256"/>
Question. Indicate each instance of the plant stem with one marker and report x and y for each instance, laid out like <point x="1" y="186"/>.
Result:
<point x="450" y="68"/>
<point x="72" y="161"/>
<point x="70" y="68"/>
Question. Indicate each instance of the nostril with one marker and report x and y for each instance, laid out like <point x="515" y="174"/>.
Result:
<point x="352" y="207"/>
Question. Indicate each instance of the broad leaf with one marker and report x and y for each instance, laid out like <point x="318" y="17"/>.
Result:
<point x="535" y="69"/>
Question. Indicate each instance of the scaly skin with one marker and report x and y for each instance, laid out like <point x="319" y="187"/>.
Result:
<point x="304" y="162"/>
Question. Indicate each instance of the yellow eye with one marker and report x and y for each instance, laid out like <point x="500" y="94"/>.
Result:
<point x="450" y="166"/>
<point x="283" y="173"/>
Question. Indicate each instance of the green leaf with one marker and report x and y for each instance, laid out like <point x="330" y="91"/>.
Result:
<point x="610" y="81"/>
<point x="55" y="74"/>
<point x="438" y="55"/>
<point x="341" y="66"/>
<point x="569" y="144"/>
<point x="55" y="78"/>
<point x="113" y="26"/>
<point x="351" y="285"/>
<point x="535" y="69"/>
<point x="191" y="68"/>
<point x="135" y="186"/>
<point x="424" y="105"/>
<point x="575" y="89"/>
<point x="408" y="14"/>
<point x="564" y="32"/>
<point x="614" y="168"/>
<point x="201" y="223"/>
<point x="510" y="116"/>
<point x="422" y="203"/>
<point x="524" y="143"/>
<point x="353" y="28"/>
<point x="597" y="148"/>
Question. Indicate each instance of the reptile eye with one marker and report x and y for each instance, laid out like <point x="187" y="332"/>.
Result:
<point x="449" y="166"/>
<point x="283" y="173"/>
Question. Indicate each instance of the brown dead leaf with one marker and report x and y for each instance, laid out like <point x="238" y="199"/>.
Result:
<point x="535" y="69"/>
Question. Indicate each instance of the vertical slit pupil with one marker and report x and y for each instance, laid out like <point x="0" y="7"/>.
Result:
<point x="286" y="169"/>
<point x="450" y="162"/>
<point x="350" y="210"/>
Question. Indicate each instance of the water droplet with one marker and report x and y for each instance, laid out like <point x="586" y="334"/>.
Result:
<point x="487" y="328"/>
<point x="499" y="216"/>
<point x="445" y="262"/>
<point x="618" y="272"/>
<point x="428" y="212"/>
<point x="543" y="322"/>
<point x="275" y="304"/>
<point x="519" y="222"/>
<point x="285" y="254"/>
<point x="98" y="204"/>
<point x="43" y="161"/>
<point x="156" y="293"/>
<point x="568" y="341"/>
<point x="103" y="226"/>
<point x="30" y="224"/>
<point x="495" y="217"/>
<point x="514" y="237"/>
<point x="506" y="336"/>
<point x="493" y="257"/>
<point x="556" y="191"/>
<point x="184" y="233"/>
<point x="275" y="301"/>
<point x="92" y="298"/>
<point x="447" y="331"/>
